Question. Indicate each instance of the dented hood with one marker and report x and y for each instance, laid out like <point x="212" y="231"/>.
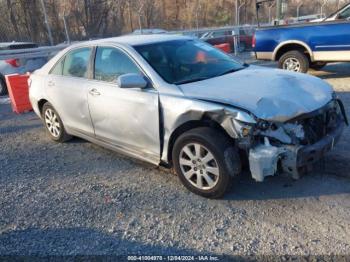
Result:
<point x="269" y="94"/>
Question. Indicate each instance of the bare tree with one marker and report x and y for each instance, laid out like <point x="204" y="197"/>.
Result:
<point x="23" y="19"/>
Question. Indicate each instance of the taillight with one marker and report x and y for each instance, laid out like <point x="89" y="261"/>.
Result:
<point x="13" y="62"/>
<point x="254" y="41"/>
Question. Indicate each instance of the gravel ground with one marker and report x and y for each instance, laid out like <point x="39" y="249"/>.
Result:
<point x="80" y="199"/>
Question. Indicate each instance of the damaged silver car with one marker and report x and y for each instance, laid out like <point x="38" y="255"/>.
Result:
<point x="178" y="102"/>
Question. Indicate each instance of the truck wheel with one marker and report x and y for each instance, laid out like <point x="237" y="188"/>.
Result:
<point x="294" y="61"/>
<point x="206" y="161"/>
<point x="318" y="65"/>
<point x="3" y="87"/>
<point x="53" y="124"/>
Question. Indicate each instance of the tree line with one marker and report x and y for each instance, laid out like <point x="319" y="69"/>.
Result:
<point x="23" y="20"/>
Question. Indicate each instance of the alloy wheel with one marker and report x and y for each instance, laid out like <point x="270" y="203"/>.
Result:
<point x="52" y="123"/>
<point x="199" y="166"/>
<point x="292" y="64"/>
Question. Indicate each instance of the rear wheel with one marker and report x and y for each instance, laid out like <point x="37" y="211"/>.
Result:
<point x="53" y="124"/>
<point x="205" y="161"/>
<point x="3" y="87"/>
<point x="318" y="65"/>
<point x="295" y="61"/>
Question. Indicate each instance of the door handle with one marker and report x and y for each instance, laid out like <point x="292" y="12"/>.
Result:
<point x="51" y="83"/>
<point x="94" y="92"/>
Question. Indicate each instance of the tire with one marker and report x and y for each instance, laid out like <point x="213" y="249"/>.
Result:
<point x="53" y="124"/>
<point x="224" y="166"/>
<point x="318" y="65"/>
<point x="294" y="61"/>
<point x="3" y="87"/>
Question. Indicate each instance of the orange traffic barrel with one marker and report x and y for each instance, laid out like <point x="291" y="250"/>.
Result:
<point x="224" y="47"/>
<point x="17" y="86"/>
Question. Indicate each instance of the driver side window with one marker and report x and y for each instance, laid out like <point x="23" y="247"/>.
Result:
<point x="110" y="63"/>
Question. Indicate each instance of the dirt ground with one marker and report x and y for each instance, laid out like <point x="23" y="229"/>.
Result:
<point x="80" y="199"/>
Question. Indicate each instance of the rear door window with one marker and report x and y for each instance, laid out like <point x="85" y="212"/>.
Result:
<point x="58" y="68"/>
<point x="76" y="63"/>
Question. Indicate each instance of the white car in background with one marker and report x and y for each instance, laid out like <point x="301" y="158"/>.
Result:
<point x="21" y="65"/>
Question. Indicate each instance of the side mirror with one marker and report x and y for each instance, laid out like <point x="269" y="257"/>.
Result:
<point x="131" y="81"/>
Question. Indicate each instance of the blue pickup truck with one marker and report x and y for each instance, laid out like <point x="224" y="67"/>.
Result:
<point x="302" y="46"/>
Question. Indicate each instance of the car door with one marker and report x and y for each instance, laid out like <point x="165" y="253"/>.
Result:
<point x="67" y="87"/>
<point x="125" y="117"/>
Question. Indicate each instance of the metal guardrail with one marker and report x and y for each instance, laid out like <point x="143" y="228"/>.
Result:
<point x="45" y="51"/>
<point x="213" y="29"/>
<point x="198" y="32"/>
<point x="49" y="51"/>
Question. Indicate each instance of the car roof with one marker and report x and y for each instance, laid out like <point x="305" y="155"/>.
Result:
<point x="16" y="43"/>
<point x="133" y="40"/>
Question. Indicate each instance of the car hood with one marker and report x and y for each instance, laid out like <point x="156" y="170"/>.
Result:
<point x="270" y="94"/>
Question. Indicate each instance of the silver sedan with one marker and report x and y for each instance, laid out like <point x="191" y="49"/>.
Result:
<point x="181" y="103"/>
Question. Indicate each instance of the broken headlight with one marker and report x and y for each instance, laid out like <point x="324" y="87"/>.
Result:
<point x="263" y="125"/>
<point x="243" y="129"/>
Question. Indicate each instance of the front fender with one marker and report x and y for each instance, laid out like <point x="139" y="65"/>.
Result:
<point x="177" y="111"/>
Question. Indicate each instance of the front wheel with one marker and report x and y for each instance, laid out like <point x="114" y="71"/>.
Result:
<point x="205" y="161"/>
<point x="295" y="61"/>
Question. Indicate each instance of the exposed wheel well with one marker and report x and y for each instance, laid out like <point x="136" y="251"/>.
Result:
<point x="292" y="47"/>
<point x="41" y="104"/>
<point x="191" y="125"/>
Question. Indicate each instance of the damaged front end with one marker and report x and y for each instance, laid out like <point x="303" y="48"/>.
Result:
<point x="294" y="146"/>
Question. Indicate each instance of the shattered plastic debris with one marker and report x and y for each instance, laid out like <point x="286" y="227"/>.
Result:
<point x="263" y="160"/>
<point x="296" y="130"/>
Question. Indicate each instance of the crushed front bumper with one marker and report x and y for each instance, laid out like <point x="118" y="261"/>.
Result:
<point x="294" y="159"/>
<point x="297" y="160"/>
<point x="322" y="130"/>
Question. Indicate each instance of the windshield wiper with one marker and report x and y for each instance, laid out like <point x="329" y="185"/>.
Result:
<point x="230" y="71"/>
<point x="208" y="77"/>
<point x="191" y="80"/>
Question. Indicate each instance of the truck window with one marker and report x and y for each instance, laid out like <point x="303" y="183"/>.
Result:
<point x="345" y="14"/>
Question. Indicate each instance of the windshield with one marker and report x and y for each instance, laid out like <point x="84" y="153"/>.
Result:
<point x="345" y="9"/>
<point x="185" y="61"/>
<point x="345" y="14"/>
